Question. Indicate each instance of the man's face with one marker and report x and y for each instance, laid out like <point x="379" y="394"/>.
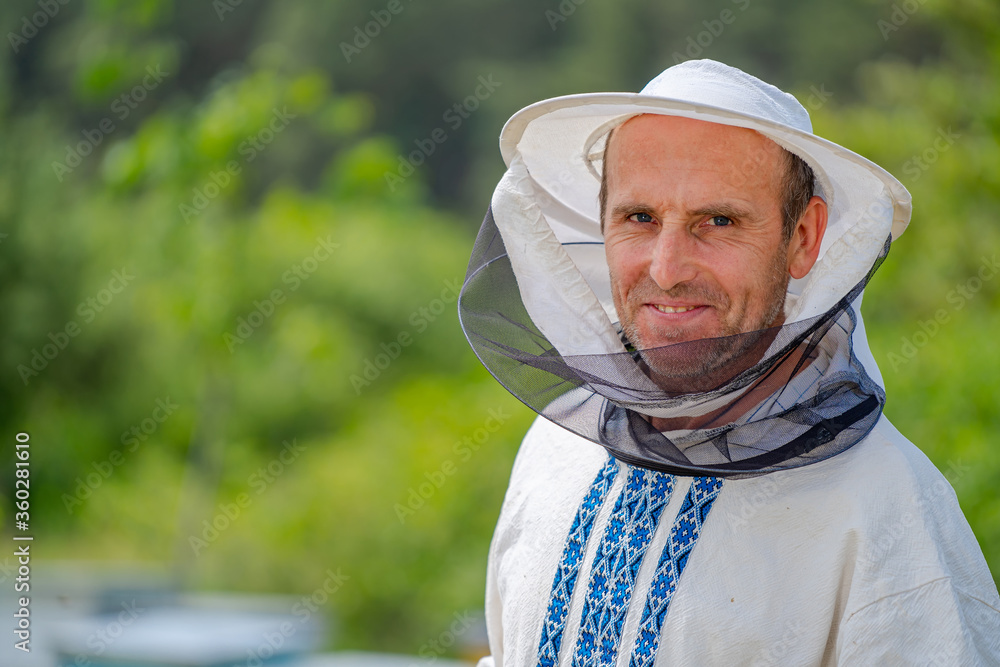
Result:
<point x="693" y="236"/>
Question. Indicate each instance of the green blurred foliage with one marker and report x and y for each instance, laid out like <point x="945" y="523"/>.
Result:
<point x="246" y="193"/>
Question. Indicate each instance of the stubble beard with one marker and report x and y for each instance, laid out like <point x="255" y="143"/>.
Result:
<point x="707" y="361"/>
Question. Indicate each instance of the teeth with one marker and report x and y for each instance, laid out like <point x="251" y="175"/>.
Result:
<point x="668" y="309"/>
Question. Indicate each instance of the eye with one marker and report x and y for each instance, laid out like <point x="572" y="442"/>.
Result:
<point x="641" y="217"/>
<point x="720" y="221"/>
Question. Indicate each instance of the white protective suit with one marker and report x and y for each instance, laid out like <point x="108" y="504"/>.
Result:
<point x="862" y="559"/>
<point x="857" y="555"/>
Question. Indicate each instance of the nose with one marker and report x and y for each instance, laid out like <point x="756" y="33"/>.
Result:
<point x="673" y="251"/>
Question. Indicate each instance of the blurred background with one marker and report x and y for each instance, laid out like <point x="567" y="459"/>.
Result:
<point x="231" y="237"/>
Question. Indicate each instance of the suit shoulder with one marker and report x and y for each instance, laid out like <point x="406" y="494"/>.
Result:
<point x="885" y="462"/>
<point x="557" y="452"/>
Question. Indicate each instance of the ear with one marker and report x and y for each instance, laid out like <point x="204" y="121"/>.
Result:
<point x="803" y="248"/>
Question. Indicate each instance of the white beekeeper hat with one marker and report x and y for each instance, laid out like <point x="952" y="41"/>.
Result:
<point x="537" y="308"/>
<point x="561" y="144"/>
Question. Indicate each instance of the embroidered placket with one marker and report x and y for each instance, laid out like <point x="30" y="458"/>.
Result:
<point x="616" y="564"/>
<point x="569" y="566"/>
<point x="683" y="536"/>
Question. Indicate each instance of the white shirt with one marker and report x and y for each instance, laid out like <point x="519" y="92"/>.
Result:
<point x="862" y="559"/>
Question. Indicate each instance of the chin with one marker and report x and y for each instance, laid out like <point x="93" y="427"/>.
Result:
<point x="652" y="340"/>
<point x="702" y="362"/>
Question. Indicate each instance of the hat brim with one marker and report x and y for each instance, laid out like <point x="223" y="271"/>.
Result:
<point x="555" y="137"/>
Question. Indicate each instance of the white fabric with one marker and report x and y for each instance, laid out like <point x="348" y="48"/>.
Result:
<point x="569" y="311"/>
<point x="862" y="559"/>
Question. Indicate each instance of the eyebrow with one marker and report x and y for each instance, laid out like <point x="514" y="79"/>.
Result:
<point x="720" y="208"/>
<point x="629" y="207"/>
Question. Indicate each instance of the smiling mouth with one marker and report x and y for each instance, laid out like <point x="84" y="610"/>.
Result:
<point x="673" y="309"/>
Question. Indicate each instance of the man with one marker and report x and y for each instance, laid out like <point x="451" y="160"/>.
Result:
<point x="673" y="279"/>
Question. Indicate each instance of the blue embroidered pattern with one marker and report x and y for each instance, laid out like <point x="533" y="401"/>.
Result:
<point x="616" y="563"/>
<point x="619" y="555"/>
<point x="683" y="535"/>
<point x="569" y="567"/>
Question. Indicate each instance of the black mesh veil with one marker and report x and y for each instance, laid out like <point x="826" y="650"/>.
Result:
<point x="785" y="397"/>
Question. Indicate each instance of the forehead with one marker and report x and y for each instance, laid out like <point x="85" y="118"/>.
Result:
<point x="734" y="157"/>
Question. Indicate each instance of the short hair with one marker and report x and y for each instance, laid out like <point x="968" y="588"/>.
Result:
<point x="797" y="186"/>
